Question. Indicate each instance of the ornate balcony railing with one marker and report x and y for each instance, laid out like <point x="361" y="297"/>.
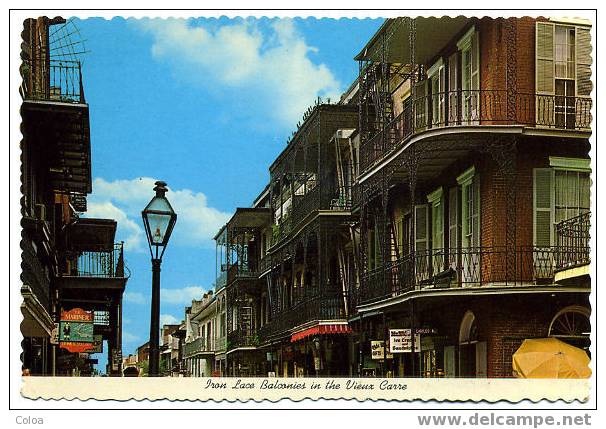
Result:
<point x="96" y="263"/>
<point x="572" y="240"/>
<point x="326" y="305"/>
<point x="199" y="345"/>
<point x="467" y="267"/>
<point x="60" y="81"/>
<point x="473" y="108"/>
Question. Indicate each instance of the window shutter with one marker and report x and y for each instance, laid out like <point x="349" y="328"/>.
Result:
<point x="583" y="62"/>
<point x="481" y="360"/>
<point x="421" y="227"/>
<point x="476" y="211"/>
<point x="475" y="61"/>
<point x="453" y="86"/>
<point x="543" y="213"/>
<point x="544" y="58"/>
<point x="453" y="225"/>
<point x="421" y="103"/>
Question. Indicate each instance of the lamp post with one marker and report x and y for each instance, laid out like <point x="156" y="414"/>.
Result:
<point x="159" y="218"/>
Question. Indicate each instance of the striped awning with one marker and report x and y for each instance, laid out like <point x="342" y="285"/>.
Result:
<point x="321" y="330"/>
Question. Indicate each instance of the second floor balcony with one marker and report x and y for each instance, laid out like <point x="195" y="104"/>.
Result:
<point x="463" y="110"/>
<point x="474" y="267"/>
<point x="199" y="346"/>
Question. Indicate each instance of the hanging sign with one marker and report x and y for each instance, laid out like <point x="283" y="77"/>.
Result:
<point x="76" y="330"/>
<point x="400" y="341"/>
<point x="97" y="344"/>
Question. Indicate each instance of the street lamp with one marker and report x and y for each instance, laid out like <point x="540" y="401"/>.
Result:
<point x="159" y="218"/>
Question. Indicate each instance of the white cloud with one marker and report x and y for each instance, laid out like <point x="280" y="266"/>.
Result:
<point x="135" y="297"/>
<point x="127" y="337"/>
<point x="181" y="296"/>
<point x="271" y="68"/>
<point x="123" y="201"/>
<point x="168" y="319"/>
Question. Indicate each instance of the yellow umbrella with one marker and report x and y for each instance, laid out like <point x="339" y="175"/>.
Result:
<point x="550" y="358"/>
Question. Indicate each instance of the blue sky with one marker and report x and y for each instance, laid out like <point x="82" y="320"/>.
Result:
<point x="205" y="105"/>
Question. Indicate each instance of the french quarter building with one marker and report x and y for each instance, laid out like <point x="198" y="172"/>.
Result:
<point x="68" y="261"/>
<point x="443" y="202"/>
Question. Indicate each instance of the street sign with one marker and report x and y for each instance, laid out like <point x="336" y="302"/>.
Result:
<point x="76" y="330"/>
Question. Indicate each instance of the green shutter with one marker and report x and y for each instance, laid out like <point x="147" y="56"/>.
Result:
<point x="421" y="227"/>
<point x="543" y="207"/>
<point x="453" y="225"/>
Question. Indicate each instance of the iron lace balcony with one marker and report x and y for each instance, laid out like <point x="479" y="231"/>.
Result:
<point x="442" y="268"/>
<point x="476" y="108"/>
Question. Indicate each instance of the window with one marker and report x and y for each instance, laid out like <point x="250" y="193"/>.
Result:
<point x="560" y="192"/>
<point x="437" y="79"/>
<point x="563" y="75"/>
<point x="470" y="226"/>
<point x="469" y="47"/>
<point x="436" y="201"/>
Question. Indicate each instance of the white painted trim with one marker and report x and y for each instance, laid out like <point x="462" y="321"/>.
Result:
<point x="435" y="196"/>
<point x="435" y="68"/>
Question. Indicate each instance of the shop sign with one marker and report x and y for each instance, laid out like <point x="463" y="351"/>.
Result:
<point x="54" y="337"/>
<point x="317" y="365"/>
<point x="400" y="341"/>
<point x="97" y="344"/>
<point x="376" y="349"/>
<point x="76" y="330"/>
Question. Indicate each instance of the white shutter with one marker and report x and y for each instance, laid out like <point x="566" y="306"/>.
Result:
<point x="583" y="78"/>
<point x="583" y="62"/>
<point x="544" y="58"/>
<point x="481" y="360"/>
<point x="543" y="207"/>
<point x="454" y="104"/>
<point x="544" y="74"/>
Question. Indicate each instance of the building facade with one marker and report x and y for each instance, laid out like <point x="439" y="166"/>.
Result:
<point x="432" y="219"/>
<point x="69" y="262"/>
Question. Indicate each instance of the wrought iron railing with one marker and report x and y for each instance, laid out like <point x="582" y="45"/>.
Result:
<point x="199" y="345"/>
<point x="56" y="80"/>
<point x="572" y="240"/>
<point x="34" y="274"/>
<point x="472" y="108"/>
<point x="326" y="305"/>
<point x="96" y="263"/>
<point x="466" y="267"/>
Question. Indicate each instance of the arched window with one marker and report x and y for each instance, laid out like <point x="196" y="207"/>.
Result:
<point x="468" y="332"/>
<point x="571" y="323"/>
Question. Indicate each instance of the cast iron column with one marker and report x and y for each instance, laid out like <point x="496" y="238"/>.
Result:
<point x="154" y="330"/>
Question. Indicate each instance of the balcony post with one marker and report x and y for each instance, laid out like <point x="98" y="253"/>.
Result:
<point x="512" y="68"/>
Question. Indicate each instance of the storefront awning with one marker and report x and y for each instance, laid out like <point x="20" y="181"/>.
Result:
<point x="321" y="330"/>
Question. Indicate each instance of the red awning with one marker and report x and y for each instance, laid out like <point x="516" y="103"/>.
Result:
<point x="321" y="330"/>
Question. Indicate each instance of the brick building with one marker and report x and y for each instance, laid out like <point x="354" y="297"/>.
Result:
<point x="68" y="261"/>
<point x="443" y="204"/>
<point x="474" y="192"/>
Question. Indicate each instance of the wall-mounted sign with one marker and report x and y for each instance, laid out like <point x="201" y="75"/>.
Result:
<point x="97" y="344"/>
<point x="76" y="330"/>
<point x="400" y="341"/>
<point x="377" y="350"/>
<point x="54" y="338"/>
